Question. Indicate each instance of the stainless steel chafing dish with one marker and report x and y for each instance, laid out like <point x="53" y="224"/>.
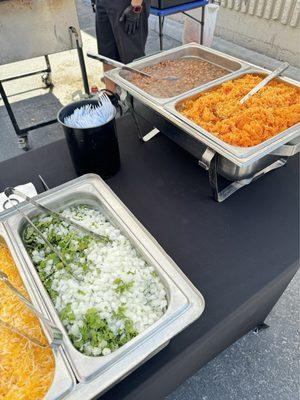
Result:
<point x="237" y="164"/>
<point x="64" y="380"/>
<point x="240" y="156"/>
<point x="185" y="303"/>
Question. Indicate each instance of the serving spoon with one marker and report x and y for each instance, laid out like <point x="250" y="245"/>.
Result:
<point x="117" y="64"/>
<point x="222" y="110"/>
<point x="265" y="81"/>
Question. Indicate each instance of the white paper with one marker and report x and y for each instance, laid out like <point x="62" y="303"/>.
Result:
<point x="27" y="189"/>
<point x="192" y="29"/>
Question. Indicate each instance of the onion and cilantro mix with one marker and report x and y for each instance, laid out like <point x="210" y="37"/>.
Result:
<point x="107" y="294"/>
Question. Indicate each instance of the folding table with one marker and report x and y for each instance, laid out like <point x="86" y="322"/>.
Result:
<point x="183" y="8"/>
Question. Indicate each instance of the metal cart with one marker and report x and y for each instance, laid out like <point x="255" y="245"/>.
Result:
<point x="33" y="28"/>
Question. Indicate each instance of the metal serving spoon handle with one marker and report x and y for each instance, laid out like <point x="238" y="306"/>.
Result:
<point x="265" y="81"/>
<point x="118" y="64"/>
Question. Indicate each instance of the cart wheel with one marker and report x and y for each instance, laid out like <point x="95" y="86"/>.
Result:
<point x="47" y="80"/>
<point x="23" y="143"/>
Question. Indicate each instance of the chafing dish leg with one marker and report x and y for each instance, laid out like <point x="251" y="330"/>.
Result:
<point x="150" y="135"/>
<point x="141" y="136"/>
<point x="136" y="121"/>
<point x="221" y="195"/>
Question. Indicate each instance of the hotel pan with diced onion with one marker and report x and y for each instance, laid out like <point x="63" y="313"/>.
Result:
<point x="185" y="303"/>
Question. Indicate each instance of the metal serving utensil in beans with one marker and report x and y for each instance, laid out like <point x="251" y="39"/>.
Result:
<point x="117" y="64"/>
<point x="56" y="335"/>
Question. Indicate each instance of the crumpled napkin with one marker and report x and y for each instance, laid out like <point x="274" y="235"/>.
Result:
<point x="27" y="189"/>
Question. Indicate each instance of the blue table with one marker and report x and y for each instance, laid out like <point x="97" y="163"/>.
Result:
<point x="183" y="8"/>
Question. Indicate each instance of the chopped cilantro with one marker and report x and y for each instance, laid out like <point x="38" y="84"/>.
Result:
<point x="121" y="286"/>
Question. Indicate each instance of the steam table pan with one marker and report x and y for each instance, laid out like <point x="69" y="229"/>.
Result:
<point x="241" y="156"/>
<point x="185" y="303"/>
<point x="188" y="51"/>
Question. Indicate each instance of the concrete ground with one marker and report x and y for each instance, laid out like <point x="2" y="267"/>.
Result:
<point x="264" y="366"/>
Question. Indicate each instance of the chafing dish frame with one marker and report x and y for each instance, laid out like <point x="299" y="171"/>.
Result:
<point x="237" y="164"/>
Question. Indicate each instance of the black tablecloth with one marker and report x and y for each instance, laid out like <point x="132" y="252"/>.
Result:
<point x="240" y="253"/>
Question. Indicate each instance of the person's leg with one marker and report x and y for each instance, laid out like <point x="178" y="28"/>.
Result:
<point x="130" y="47"/>
<point x="105" y="40"/>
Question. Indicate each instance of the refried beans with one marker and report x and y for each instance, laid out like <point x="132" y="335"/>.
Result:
<point x="191" y="72"/>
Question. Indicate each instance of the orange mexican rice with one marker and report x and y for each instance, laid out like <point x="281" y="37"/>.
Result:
<point x="26" y="370"/>
<point x="270" y="111"/>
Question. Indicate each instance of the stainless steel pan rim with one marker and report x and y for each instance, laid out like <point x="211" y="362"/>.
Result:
<point x="115" y="74"/>
<point x="185" y="302"/>
<point x="63" y="379"/>
<point x="207" y="141"/>
<point x="240" y="152"/>
<point x="238" y="156"/>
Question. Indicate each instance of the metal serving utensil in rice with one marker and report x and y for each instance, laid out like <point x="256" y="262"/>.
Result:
<point x="223" y="110"/>
<point x="265" y="81"/>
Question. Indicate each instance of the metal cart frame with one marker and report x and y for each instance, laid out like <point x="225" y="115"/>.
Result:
<point x="22" y="133"/>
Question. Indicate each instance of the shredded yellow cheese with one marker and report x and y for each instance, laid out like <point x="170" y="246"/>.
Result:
<point x="26" y="370"/>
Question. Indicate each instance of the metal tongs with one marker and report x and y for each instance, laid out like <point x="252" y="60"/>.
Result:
<point x="9" y="191"/>
<point x="117" y="64"/>
<point x="265" y="81"/>
<point x="56" y="336"/>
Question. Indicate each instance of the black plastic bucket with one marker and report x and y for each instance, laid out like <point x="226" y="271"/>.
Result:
<point x="93" y="150"/>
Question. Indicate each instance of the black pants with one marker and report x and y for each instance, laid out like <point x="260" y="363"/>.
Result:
<point x="113" y="41"/>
